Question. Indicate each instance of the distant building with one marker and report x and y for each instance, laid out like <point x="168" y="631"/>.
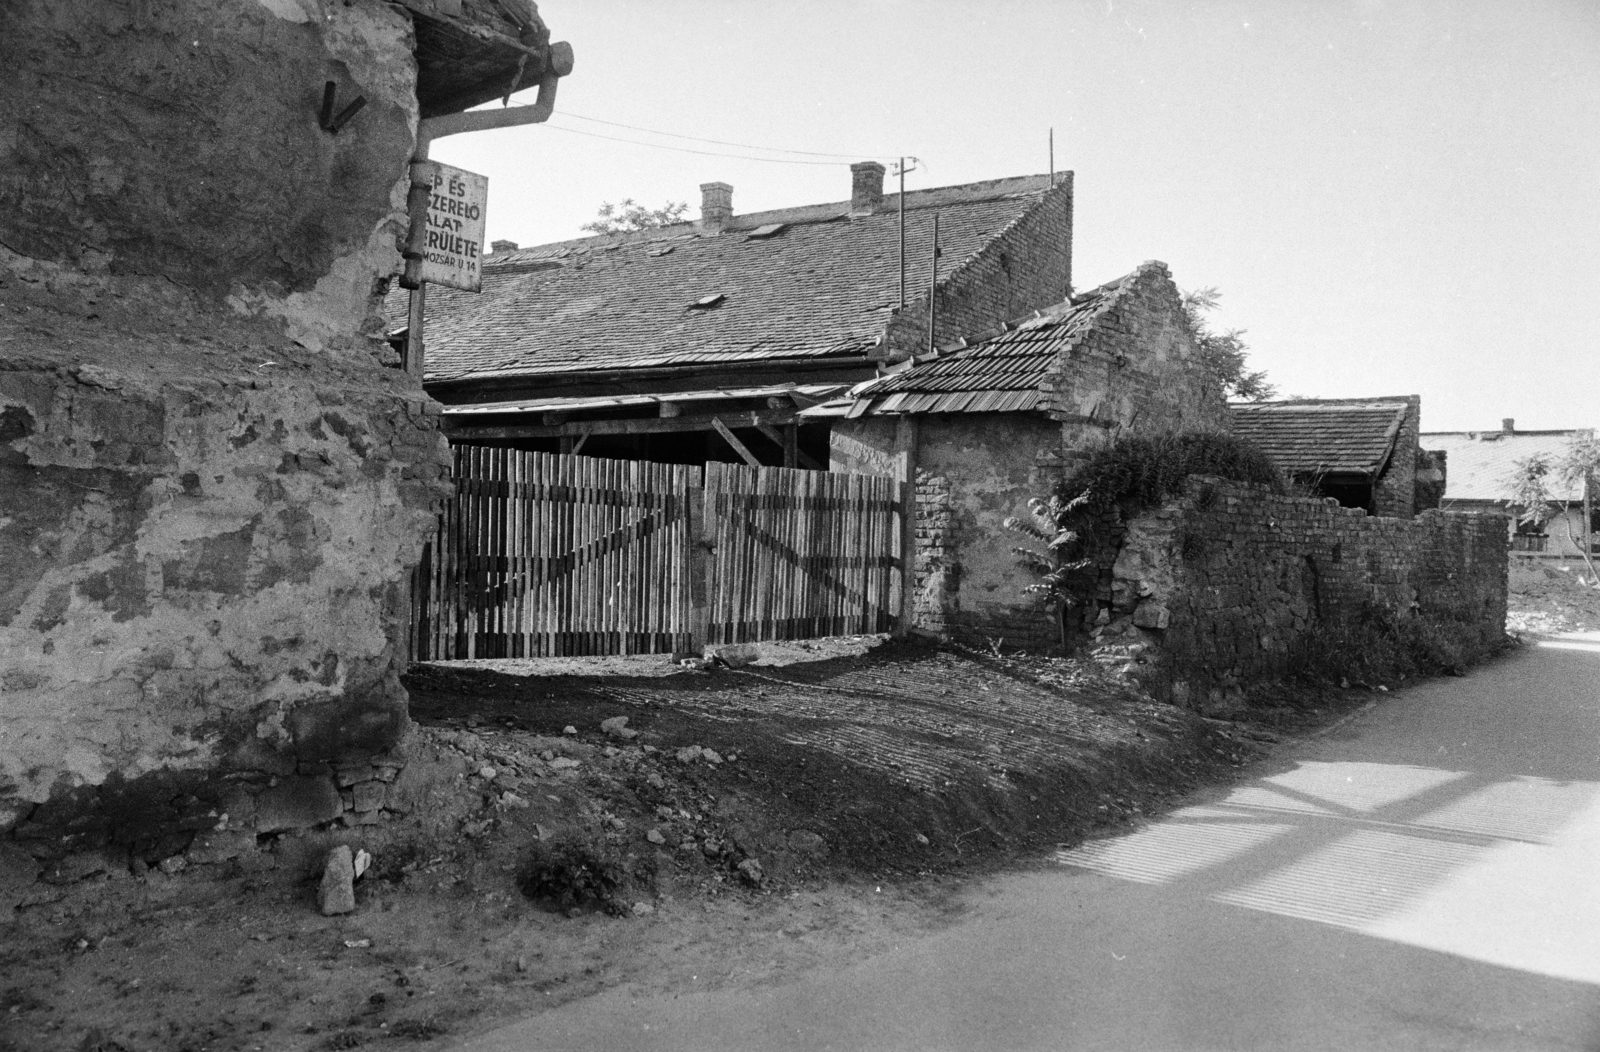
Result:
<point x="705" y="340"/>
<point x="1483" y="465"/>
<point x="1363" y="452"/>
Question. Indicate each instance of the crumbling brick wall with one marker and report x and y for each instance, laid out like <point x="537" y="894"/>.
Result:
<point x="1026" y="268"/>
<point x="1395" y="493"/>
<point x="213" y="482"/>
<point x="1224" y="587"/>
<point x="1136" y="371"/>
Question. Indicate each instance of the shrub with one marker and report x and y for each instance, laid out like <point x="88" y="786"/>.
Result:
<point x="1137" y="473"/>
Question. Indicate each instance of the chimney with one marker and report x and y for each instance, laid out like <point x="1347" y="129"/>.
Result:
<point x="866" y="187"/>
<point x="1508" y="426"/>
<point x="716" y="206"/>
<point x="497" y="247"/>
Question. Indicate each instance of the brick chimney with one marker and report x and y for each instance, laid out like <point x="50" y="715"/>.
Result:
<point x="497" y="247"/>
<point x="1508" y="426"/>
<point x="716" y="206"/>
<point x="866" y="187"/>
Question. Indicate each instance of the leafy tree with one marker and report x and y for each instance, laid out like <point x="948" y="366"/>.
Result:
<point x="629" y="215"/>
<point x="1223" y="353"/>
<point x="1530" y="485"/>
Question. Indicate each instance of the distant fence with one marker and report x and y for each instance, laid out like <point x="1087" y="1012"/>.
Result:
<point x="546" y="555"/>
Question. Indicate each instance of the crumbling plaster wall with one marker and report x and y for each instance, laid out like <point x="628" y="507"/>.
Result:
<point x="213" y="482"/>
<point x="1225" y="587"/>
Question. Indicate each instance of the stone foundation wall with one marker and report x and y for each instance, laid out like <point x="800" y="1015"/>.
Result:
<point x="1224" y="588"/>
<point x="213" y="479"/>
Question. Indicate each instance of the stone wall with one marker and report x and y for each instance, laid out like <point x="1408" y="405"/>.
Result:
<point x="1226" y="587"/>
<point x="213" y="481"/>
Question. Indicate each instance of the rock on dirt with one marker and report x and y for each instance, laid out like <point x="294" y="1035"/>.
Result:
<point x="617" y="727"/>
<point x="337" y="893"/>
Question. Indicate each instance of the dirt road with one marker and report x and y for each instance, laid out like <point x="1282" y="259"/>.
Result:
<point x="1423" y="877"/>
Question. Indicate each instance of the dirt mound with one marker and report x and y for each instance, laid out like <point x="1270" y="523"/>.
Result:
<point x="570" y="832"/>
<point x="1547" y="598"/>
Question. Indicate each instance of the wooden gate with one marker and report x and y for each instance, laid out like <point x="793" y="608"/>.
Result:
<point x="539" y="555"/>
<point x="545" y="555"/>
<point x="800" y="554"/>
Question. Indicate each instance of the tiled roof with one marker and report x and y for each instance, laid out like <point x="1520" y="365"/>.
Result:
<point x="1000" y="374"/>
<point x="1479" y="464"/>
<point x="1343" y="437"/>
<point x="820" y="285"/>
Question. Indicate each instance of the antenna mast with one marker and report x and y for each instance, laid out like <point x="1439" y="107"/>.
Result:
<point x="902" y="233"/>
<point x="933" y="281"/>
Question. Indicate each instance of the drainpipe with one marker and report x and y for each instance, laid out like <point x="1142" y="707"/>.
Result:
<point x="558" y="63"/>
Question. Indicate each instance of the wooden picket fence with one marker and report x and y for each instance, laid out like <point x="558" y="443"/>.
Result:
<point x="542" y="555"/>
<point x="800" y="554"/>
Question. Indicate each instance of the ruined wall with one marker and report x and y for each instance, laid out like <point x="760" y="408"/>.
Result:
<point x="973" y="471"/>
<point x="178" y="139"/>
<point x="1026" y="268"/>
<point x="1136" y="371"/>
<point x="212" y="480"/>
<point x="1395" y="492"/>
<point x="1228" y="586"/>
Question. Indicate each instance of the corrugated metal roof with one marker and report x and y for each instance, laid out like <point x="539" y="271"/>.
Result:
<point x="1322" y="437"/>
<point x="1479" y="465"/>
<point x="824" y="286"/>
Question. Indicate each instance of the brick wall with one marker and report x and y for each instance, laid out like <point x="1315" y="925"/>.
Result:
<point x="1223" y="588"/>
<point x="1026" y="268"/>
<point x="1137" y="371"/>
<point x="1395" y="492"/>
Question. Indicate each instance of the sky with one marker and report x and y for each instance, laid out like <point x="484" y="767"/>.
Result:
<point x="1391" y="197"/>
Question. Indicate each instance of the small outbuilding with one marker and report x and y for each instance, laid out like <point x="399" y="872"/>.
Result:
<point x="999" y="418"/>
<point x="1363" y="452"/>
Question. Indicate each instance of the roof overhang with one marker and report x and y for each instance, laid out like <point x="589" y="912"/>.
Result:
<point x="474" y="51"/>
<point x="767" y="406"/>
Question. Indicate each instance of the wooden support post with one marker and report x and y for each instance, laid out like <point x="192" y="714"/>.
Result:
<point x="701" y="531"/>
<point x="733" y="440"/>
<point x="905" y="447"/>
<point x="414" y="320"/>
<point x="791" y="445"/>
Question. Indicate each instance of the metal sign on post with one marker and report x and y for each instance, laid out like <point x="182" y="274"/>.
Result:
<point x="451" y="247"/>
<point x="445" y="245"/>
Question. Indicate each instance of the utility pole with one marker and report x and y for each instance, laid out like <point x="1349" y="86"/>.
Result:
<point x="902" y="233"/>
<point x="933" y="281"/>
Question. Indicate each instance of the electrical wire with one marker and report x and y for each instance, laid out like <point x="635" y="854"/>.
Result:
<point x="720" y="142"/>
<point x="685" y="149"/>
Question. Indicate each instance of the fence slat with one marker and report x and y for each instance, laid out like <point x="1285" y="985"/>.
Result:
<point x="541" y="554"/>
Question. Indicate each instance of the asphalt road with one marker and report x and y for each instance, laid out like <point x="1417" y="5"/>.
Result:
<point x="1427" y="876"/>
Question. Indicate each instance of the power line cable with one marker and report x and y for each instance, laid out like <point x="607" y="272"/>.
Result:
<point x="720" y="142"/>
<point x="685" y="149"/>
